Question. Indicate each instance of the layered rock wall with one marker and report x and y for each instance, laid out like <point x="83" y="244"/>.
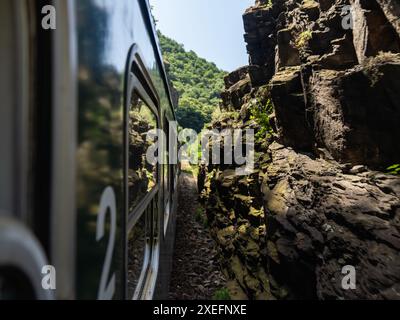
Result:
<point x="318" y="199"/>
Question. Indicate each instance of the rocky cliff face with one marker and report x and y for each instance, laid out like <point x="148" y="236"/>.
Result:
<point x="318" y="199"/>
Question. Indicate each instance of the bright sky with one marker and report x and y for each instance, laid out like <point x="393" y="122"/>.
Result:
<point x="211" y="28"/>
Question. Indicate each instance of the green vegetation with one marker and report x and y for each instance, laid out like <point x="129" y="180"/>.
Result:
<point x="267" y="5"/>
<point x="303" y="39"/>
<point x="198" y="82"/>
<point x="260" y="113"/>
<point x="394" y="169"/>
<point x="201" y="217"/>
<point x="222" y="294"/>
<point x="223" y="115"/>
<point x="191" y="169"/>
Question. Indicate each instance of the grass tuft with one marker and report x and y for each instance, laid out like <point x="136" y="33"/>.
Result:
<point x="222" y="294"/>
<point x="201" y="217"/>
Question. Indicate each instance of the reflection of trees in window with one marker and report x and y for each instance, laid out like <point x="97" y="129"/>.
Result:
<point x="166" y="161"/>
<point x="142" y="174"/>
<point x="136" y="254"/>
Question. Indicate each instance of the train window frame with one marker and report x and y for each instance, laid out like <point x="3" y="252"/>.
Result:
<point x="139" y="81"/>
<point x="167" y="200"/>
<point x="143" y="204"/>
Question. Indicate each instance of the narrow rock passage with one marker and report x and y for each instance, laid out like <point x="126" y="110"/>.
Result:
<point x="196" y="273"/>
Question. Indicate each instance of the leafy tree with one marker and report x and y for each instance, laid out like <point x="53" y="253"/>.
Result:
<point x="189" y="115"/>
<point x="197" y="81"/>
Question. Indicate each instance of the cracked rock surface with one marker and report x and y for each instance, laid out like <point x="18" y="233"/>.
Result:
<point x="319" y="198"/>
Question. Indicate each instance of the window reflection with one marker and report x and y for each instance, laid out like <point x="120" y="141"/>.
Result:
<point x="166" y="161"/>
<point x="142" y="175"/>
<point x="136" y="254"/>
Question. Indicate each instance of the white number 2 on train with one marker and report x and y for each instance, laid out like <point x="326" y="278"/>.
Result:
<point x="107" y="203"/>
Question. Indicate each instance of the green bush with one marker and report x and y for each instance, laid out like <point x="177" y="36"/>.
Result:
<point x="394" y="169"/>
<point x="267" y="5"/>
<point x="201" y="217"/>
<point x="260" y="113"/>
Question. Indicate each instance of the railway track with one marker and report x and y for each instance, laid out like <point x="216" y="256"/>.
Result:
<point x="196" y="274"/>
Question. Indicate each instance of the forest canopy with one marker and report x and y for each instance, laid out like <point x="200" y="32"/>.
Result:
<point x="198" y="82"/>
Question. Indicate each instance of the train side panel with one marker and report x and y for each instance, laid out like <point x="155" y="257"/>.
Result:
<point x="106" y="32"/>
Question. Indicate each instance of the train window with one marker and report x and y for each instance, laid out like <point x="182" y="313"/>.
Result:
<point x="166" y="161"/>
<point x="173" y="150"/>
<point x="167" y="176"/>
<point x="137" y="254"/>
<point x="142" y="175"/>
<point x="143" y="196"/>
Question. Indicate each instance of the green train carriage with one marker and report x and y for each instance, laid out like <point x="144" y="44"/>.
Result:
<point x="76" y="192"/>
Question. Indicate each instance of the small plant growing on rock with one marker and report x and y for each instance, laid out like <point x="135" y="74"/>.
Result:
<point x="260" y="113"/>
<point x="222" y="294"/>
<point x="201" y="217"/>
<point x="371" y="66"/>
<point x="303" y="39"/>
<point x="223" y="115"/>
<point x="267" y="5"/>
<point x="394" y="169"/>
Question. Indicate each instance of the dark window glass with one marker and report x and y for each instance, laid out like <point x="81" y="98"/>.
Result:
<point x="136" y="254"/>
<point x="142" y="175"/>
<point x="155" y="213"/>
<point x="166" y="161"/>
